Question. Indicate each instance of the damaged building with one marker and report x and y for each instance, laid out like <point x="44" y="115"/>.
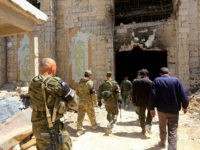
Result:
<point x="118" y="35"/>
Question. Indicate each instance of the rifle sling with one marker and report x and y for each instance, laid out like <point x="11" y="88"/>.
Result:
<point x="50" y="119"/>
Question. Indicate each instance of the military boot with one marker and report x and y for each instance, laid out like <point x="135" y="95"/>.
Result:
<point x="109" y="128"/>
<point x="79" y="132"/>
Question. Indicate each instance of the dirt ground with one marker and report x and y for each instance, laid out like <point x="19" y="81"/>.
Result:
<point x="127" y="132"/>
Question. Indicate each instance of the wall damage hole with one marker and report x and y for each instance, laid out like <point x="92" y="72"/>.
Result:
<point x="128" y="11"/>
<point x="129" y="62"/>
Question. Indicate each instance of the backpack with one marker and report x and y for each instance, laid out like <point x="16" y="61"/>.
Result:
<point x="83" y="88"/>
<point x="35" y="91"/>
<point x="107" y="89"/>
<point x="126" y="85"/>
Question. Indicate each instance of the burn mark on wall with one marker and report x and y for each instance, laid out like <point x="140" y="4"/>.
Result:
<point x="142" y="37"/>
<point x="128" y="11"/>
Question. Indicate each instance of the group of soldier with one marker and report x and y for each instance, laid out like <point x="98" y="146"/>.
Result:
<point x="113" y="96"/>
<point x="50" y="97"/>
<point x="108" y="93"/>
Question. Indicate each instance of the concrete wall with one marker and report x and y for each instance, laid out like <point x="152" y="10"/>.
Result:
<point x="84" y="38"/>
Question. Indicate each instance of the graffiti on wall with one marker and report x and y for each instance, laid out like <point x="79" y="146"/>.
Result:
<point x="79" y="55"/>
<point x="24" y="59"/>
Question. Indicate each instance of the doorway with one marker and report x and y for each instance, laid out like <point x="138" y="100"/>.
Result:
<point x="129" y="62"/>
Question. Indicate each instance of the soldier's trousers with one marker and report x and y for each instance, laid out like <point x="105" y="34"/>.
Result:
<point x="144" y="120"/>
<point x="39" y="125"/>
<point x="82" y="110"/>
<point x="112" y="114"/>
<point x="125" y="97"/>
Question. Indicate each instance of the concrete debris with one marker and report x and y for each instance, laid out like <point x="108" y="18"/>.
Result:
<point x="9" y="107"/>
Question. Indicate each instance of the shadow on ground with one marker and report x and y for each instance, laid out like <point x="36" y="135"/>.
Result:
<point x="131" y="135"/>
<point x="129" y="123"/>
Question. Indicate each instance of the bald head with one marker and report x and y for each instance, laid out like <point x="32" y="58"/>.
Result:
<point x="48" y="66"/>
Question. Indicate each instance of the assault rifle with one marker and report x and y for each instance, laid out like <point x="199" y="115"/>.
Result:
<point x="54" y="139"/>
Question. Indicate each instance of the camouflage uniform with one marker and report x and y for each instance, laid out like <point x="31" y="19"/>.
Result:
<point x="88" y="100"/>
<point x="126" y="86"/>
<point x="109" y="90"/>
<point x="57" y="96"/>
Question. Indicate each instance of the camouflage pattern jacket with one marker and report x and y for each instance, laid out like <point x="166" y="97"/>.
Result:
<point x="86" y="91"/>
<point x="109" y="90"/>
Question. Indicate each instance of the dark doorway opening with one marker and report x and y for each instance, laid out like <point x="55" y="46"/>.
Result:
<point x="129" y="62"/>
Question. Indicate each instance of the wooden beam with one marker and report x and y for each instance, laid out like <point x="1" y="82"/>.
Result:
<point x="29" y="144"/>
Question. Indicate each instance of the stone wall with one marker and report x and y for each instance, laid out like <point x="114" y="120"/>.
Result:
<point x="159" y="36"/>
<point x="84" y="32"/>
<point x="179" y="35"/>
<point x="12" y="61"/>
<point x="46" y="33"/>
<point x="79" y="34"/>
<point x="2" y="61"/>
<point x="182" y="52"/>
<point x="194" y="45"/>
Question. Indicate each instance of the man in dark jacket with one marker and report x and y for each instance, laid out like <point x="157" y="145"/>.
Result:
<point x="140" y="96"/>
<point x="168" y="96"/>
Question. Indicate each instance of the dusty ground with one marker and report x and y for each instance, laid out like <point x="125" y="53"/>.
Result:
<point x="126" y="134"/>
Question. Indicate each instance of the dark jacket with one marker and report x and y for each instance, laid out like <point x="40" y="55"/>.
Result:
<point x="168" y="95"/>
<point x="140" y="91"/>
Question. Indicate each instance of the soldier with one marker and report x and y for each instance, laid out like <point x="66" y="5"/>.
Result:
<point x="109" y="91"/>
<point x="88" y="99"/>
<point x="126" y="86"/>
<point x="49" y="98"/>
<point x="140" y="97"/>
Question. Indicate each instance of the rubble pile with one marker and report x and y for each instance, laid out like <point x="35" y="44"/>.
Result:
<point x="9" y="107"/>
<point x="10" y="102"/>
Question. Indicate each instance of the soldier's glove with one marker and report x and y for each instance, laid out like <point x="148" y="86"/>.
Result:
<point x="99" y="103"/>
